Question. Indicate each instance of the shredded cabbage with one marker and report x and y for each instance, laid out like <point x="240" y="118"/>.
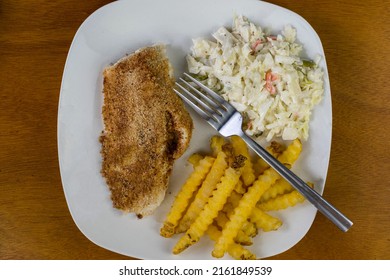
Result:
<point x="262" y="76"/>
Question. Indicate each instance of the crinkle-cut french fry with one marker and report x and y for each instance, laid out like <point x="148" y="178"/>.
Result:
<point x="250" y="198"/>
<point x="185" y="194"/>
<point x="247" y="227"/>
<point x="204" y="192"/>
<point x="275" y="149"/>
<point x="264" y="221"/>
<point x="241" y="237"/>
<point x="214" y="205"/>
<point x="194" y="159"/>
<point x="235" y="198"/>
<point x="216" y="143"/>
<point x="283" y="201"/>
<point x="242" y="212"/>
<point x="240" y="148"/>
<point x="295" y="149"/>
<point x="260" y="166"/>
<point x="236" y="251"/>
<point x="281" y="186"/>
<point x="240" y="188"/>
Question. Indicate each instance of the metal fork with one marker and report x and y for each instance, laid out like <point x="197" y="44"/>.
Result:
<point x="222" y="116"/>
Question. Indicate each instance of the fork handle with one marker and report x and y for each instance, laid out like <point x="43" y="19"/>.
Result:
<point x="341" y="221"/>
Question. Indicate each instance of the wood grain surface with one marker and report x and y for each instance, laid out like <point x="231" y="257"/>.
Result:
<point x="35" y="222"/>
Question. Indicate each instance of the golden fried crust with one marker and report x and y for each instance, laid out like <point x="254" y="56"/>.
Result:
<point x="146" y="127"/>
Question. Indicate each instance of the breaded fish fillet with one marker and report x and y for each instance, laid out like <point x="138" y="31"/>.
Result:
<point x="146" y="127"/>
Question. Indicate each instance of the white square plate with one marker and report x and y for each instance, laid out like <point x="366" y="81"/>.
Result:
<point x="122" y="27"/>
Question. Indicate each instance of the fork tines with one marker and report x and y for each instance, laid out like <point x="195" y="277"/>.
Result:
<point x="208" y="104"/>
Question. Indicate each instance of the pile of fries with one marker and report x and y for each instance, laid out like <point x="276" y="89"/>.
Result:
<point x="228" y="195"/>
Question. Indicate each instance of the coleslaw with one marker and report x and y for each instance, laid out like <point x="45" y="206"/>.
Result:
<point x="262" y="76"/>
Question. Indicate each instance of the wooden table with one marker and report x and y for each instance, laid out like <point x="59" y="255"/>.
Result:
<point x="35" y="222"/>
